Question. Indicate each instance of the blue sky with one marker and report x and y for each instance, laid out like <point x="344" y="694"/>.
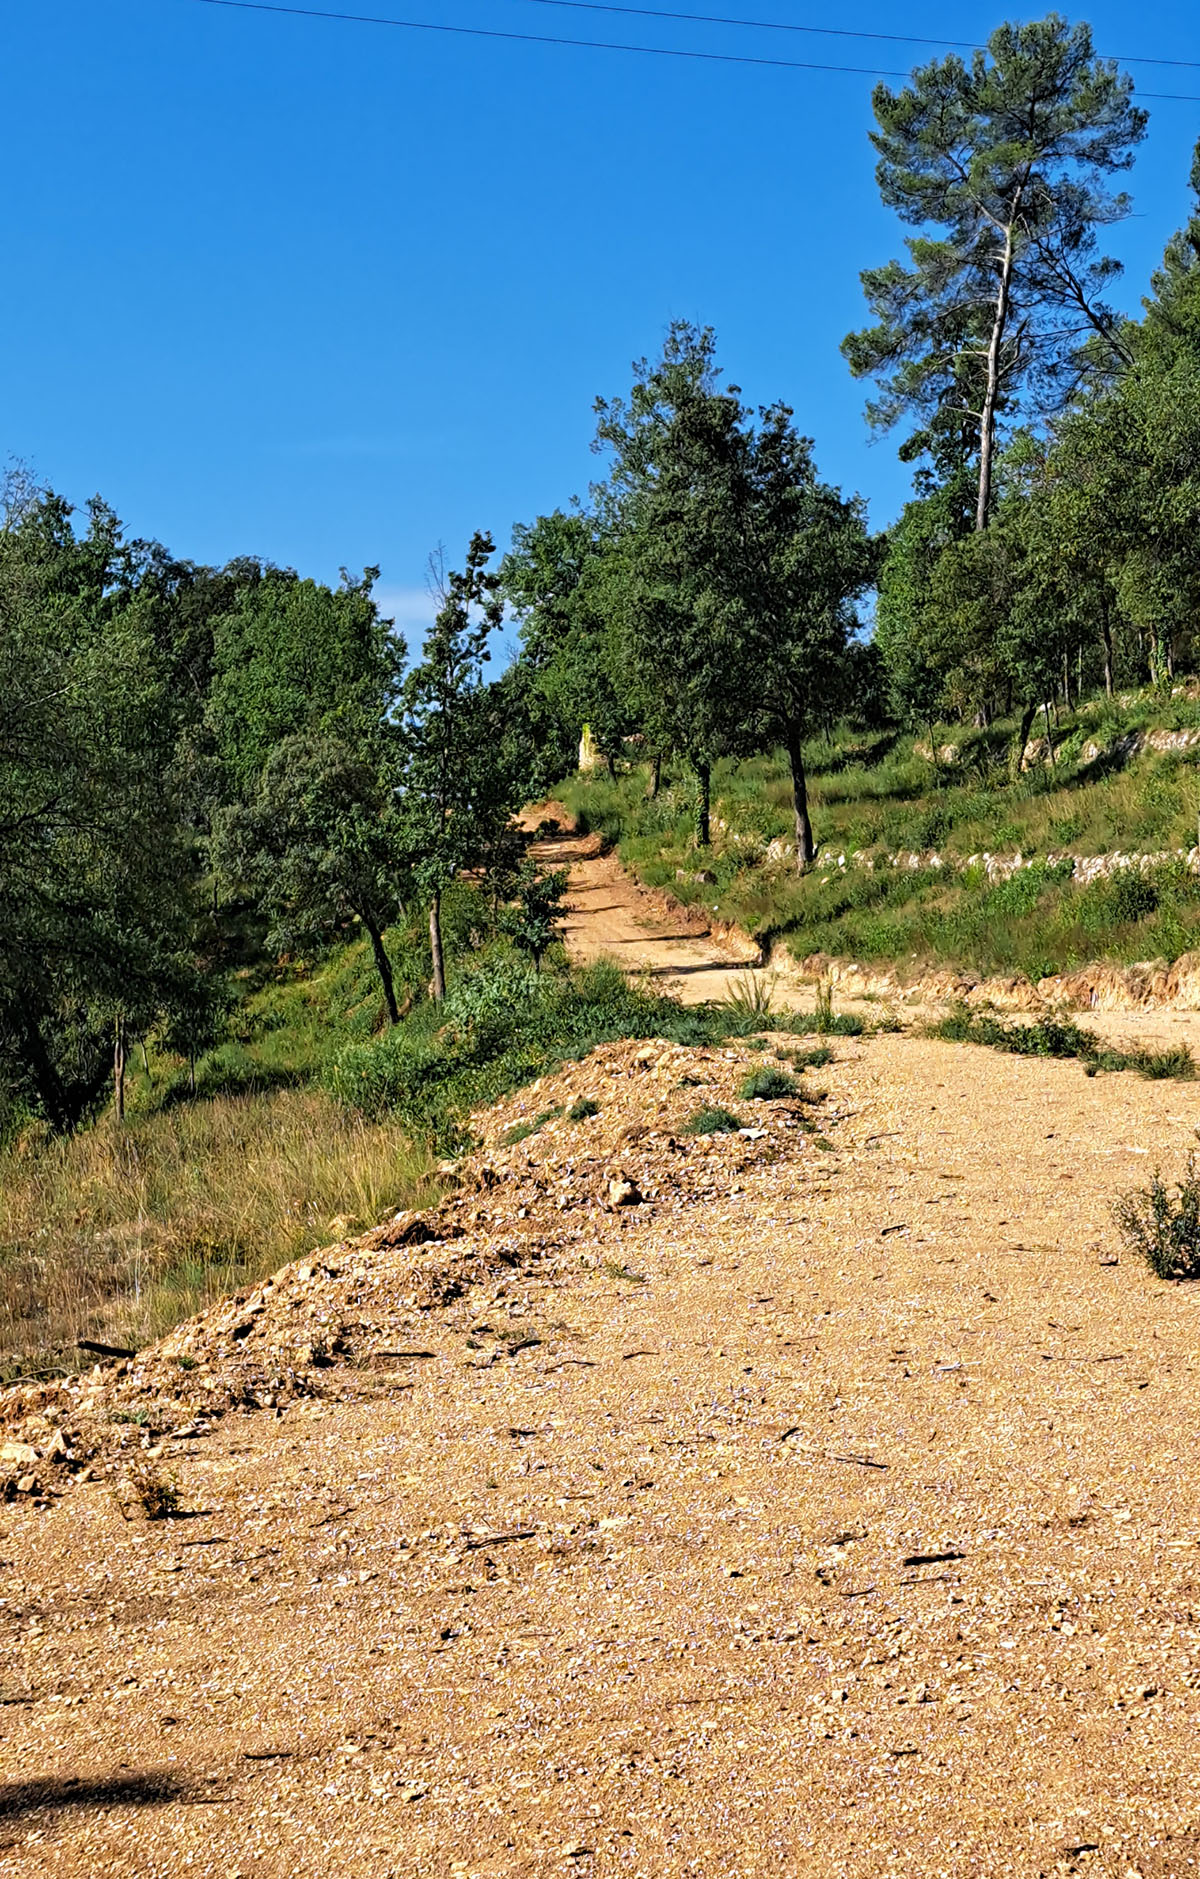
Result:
<point x="334" y="293"/>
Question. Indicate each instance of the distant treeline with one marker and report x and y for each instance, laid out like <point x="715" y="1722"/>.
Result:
<point x="185" y="750"/>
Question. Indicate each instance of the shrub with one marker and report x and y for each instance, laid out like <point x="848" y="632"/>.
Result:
<point x="583" y="1110"/>
<point x="712" y="1120"/>
<point x="815" y="1058"/>
<point x="766" y="1084"/>
<point x="1164" y="1229"/>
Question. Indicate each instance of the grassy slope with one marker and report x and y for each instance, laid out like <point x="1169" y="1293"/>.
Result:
<point x="873" y="792"/>
<point x="117" y="1233"/>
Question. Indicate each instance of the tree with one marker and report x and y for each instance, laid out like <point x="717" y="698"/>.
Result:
<point x="459" y="791"/>
<point x="806" y="557"/>
<point x="1172" y="322"/>
<point x="289" y="656"/>
<point x="320" y="843"/>
<point x="97" y="867"/>
<point x="553" y="580"/>
<point x="535" y="919"/>
<point x="1002" y="166"/>
<point x="670" y="512"/>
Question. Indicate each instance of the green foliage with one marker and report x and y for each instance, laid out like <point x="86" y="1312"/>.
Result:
<point x="1164" y="1228"/>
<point x="1001" y="166"/>
<point x="815" y="1058"/>
<point x="292" y="656"/>
<point x="521" y="1131"/>
<point x="534" y="920"/>
<point x="583" y="1109"/>
<point x="766" y="1084"/>
<point x="712" y="1120"/>
<point x="1060" y="1037"/>
<point x="461" y="782"/>
<point x="320" y="842"/>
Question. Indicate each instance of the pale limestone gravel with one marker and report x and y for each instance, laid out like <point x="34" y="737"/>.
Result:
<point x="861" y="1537"/>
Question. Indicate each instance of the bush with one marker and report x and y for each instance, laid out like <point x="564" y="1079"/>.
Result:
<point x="766" y="1084"/>
<point x="815" y="1058"/>
<point x="712" y="1121"/>
<point x="583" y="1110"/>
<point x="1162" y="1229"/>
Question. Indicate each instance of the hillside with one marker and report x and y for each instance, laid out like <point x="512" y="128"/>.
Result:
<point x="948" y="864"/>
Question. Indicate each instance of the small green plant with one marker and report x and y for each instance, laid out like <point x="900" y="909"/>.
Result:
<point x="815" y="1058"/>
<point x="766" y="1084"/>
<point x="582" y="1110"/>
<point x="521" y="1131"/>
<point x="1059" y="1037"/>
<point x="750" y="1000"/>
<point x="825" y="1021"/>
<point x="186" y="1363"/>
<point x="1161" y="1227"/>
<point x="712" y="1120"/>
<point x="139" y="1417"/>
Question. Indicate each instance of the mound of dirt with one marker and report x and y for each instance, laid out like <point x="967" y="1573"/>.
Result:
<point x="531" y="1194"/>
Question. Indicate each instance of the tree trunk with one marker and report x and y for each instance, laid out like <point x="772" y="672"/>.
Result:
<point x="119" y="1067"/>
<point x="656" y="778"/>
<point x="806" y="848"/>
<point x="1049" y="732"/>
<point x="1107" y="641"/>
<point x="435" y="948"/>
<point x="383" y="966"/>
<point x="1016" y="755"/>
<point x="703" y="830"/>
<point x="987" y="427"/>
<point x="51" y="1093"/>
<point x="191" y="1073"/>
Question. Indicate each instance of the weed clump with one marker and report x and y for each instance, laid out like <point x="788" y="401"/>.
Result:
<point x="712" y="1120"/>
<point x="766" y="1084"/>
<point x="815" y="1058"/>
<point x="146" y="1487"/>
<point x="1164" y="1228"/>
<point x="521" y="1131"/>
<point x="582" y="1110"/>
<point x="1058" y="1037"/>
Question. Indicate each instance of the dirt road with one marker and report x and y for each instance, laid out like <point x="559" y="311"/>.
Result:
<point x="609" y="915"/>
<point x="827" y="1507"/>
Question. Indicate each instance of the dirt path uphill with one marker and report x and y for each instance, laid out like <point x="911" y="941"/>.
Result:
<point x="610" y="915"/>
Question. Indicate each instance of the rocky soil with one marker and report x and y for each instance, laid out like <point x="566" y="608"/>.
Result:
<point x="815" y="1500"/>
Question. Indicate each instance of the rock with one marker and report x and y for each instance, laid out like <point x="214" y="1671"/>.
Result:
<point x="622" y="1192"/>
<point x="19" y="1454"/>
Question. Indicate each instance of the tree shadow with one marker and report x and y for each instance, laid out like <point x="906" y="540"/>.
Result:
<point x="152" y="1787"/>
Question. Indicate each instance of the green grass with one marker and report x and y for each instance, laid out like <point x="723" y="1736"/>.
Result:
<point x="119" y="1233"/>
<point x="712" y="1120"/>
<point x="766" y="1084"/>
<point x="874" y="794"/>
<point x="583" y="1110"/>
<point x="1059" y="1037"/>
<point x="521" y="1131"/>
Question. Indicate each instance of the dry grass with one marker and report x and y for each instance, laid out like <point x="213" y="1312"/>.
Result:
<point x="118" y="1234"/>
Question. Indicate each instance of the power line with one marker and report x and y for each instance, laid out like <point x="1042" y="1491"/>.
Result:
<point x="826" y="32"/>
<point x="547" y="39"/>
<point x="610" y="45"/>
